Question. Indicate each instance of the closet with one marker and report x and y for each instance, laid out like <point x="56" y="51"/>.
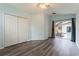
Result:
<point x="23" y="29"/>
<point x="16" y="30"/>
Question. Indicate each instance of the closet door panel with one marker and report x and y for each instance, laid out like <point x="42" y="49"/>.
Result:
<point x="22" y="29"/>
<point x="10" y="30"/>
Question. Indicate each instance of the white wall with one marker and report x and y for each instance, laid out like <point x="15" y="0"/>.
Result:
<point x="64" y="30"/>
<point x="4" y="8"/>
<point x="49" y="27"/>
<point x="46" y="25"/>
<point x="1" y="30"/>
<point x="77" y="29"/>
<point x="62" y="17"/>
<point x="39" y="29"/>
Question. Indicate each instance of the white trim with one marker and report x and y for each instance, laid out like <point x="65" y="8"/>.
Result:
<point x="38" y="39"/>
<point x="15" y="15"/>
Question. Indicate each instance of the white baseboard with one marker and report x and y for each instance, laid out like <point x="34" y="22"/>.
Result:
<point x="38" y="39"/>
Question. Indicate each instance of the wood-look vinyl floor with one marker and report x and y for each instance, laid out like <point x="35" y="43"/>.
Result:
<point x="50" y="47"/>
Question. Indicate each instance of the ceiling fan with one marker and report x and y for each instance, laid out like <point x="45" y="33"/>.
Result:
<point x="43" y="5"/>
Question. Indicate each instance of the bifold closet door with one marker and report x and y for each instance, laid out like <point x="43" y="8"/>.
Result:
<point x="23" y="29"/>
<point x="10" y="30"/>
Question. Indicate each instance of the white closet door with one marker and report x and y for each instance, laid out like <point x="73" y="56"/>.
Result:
<point x="10" y="30"/>
<point x="23" y="29"/>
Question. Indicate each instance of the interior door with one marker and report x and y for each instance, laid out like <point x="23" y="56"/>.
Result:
<point x="10" y="30"/>
<point x="23" y="29"/>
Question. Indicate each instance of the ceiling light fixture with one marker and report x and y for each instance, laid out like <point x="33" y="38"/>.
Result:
<point x="43" y="5"/>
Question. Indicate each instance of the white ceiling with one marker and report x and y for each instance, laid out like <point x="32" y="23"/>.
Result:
<point x="59" y="8"/>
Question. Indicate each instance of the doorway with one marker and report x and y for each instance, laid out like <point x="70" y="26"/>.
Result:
<point x="64" y="29"/>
